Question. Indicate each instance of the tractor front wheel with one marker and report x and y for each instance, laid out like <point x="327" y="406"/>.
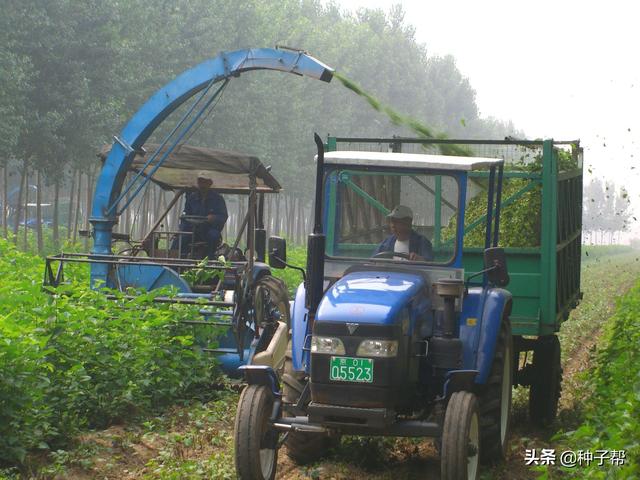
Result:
<point x="495" y="398"/>
<point x="460" y="438"/>
<point x="256" y="442"/>
<point x="546" y="382"/>
<point x="302" y="447"/>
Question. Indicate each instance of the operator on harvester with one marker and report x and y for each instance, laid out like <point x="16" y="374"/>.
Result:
<point x="403" y="238"/>
<point x="206" y="203"/>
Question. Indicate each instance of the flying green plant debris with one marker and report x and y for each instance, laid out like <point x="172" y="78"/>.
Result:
<point x="401" y="120"/>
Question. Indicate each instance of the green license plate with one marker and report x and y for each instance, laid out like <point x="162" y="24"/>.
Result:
<point x="348" y="369"/>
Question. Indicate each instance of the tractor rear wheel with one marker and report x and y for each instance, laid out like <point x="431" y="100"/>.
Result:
<point x="302" y="447"/>
<point x="495" y="398"/>
<point x="460" y="438"/>
<point x="256" y="442"/>
<point x="546" y="382"/>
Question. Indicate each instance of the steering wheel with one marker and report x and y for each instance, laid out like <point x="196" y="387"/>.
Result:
<point x="194" y="219"/>
<point x="391" y="254"/>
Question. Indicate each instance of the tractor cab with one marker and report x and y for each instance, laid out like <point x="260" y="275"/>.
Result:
<point x="368" y="195"/>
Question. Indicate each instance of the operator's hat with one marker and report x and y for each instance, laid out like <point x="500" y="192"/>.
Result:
<point x="400" y="212"/>
<point x="204" y="175"/>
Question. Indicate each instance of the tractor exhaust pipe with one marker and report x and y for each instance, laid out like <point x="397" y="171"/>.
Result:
<point x="445" y="348"/>
<point x="316" y="241"/>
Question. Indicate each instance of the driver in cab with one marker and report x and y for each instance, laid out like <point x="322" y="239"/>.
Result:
<point x="403" y="239"/>
<point x="206" y="203"/>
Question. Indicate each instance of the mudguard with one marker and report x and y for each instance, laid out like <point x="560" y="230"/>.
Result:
<point x="299" y="326"/>
<point x="259" y="269"/>
<point x="496" y="301"/>
<point x="458" y="380"/>
<point x="261" y="375"/>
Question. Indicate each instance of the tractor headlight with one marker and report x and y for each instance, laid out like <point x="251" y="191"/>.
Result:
<point x="330" y="345"/>
<point x="378" y="348"/>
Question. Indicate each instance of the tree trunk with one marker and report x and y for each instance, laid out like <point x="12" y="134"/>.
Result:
<point x="18" y="212"/>
<point x="276" y="223"/>
<point x="127" y="213"/>
<point x="76" y="213"/>
<point x="142" y="218"/>
<point x="292" y="219"/>
<point x="267" y="213"/>
<point x="40" y="243"/>
<point x="25" y="238"/>
<point x="89" y="198"/>
<point x="70" y="209"/>
<point x="56" y="216"/>
<point x="5" y="199"/>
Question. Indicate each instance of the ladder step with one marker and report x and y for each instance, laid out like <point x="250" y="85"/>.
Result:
<point x="207" y="322"/>
<point x="220" y="350"/>
<point x="209" y="313"/>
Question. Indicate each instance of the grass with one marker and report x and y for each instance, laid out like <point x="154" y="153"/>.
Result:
<point x="297" y="256"/>
<point x="596" y="253"/>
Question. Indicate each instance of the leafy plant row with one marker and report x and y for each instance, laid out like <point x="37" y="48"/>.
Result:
<point x="73" y="360"/>
<point x="613" y="411"/>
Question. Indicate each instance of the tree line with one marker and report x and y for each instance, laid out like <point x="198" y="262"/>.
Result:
<point x="72" y="72"/>
<point x="606" y="212"/>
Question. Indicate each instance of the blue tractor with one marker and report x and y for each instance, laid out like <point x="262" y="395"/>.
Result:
<point x="387" y="337"/>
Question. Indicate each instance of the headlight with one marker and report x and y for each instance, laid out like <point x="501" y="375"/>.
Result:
<point x="378" y="348"/>
<point x="327" y="345"/>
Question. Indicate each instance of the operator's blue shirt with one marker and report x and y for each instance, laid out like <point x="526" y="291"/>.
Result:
<point x="417" y="244"/>
<point x="212" y="202"/>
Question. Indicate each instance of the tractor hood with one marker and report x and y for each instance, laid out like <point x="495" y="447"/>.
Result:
<point x="369" y="297"/>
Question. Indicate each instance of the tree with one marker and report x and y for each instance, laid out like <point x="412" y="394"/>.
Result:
<point x="606" y="209"/>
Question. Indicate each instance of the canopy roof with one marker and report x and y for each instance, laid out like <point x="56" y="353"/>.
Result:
<point x="409" y="160"/>
<point x="228" y="170"/>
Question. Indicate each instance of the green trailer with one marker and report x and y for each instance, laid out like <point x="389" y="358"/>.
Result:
<point x="541" y="225"/>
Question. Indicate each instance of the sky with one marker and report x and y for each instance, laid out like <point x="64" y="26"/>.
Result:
<point x="558" y="69"/>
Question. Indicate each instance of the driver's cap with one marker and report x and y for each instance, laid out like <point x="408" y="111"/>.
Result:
<point x="401" y="212"/>
<point x="204" y="175"/>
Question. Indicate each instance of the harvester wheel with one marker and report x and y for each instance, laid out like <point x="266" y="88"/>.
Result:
<point x="271" y="300"/>
<point x="271" y="305"/>
<point x="460" y="438"/>
<point x="546" y="383"/>
<point x="256" y="443"/>
<point x="302" y="447"/>
<point x="495" y="399"/>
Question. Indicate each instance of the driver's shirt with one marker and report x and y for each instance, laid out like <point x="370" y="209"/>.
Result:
<point x="401" y="246"/>
<point x="203" y="205"/>
<point x="417" y="244"/>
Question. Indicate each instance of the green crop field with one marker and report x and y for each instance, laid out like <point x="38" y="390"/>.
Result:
<point x="612" y="412"/>
<point x="94" y="388"/>
<point x="72" y="360"/>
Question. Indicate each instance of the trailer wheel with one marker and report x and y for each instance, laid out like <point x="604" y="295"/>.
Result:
<point x="256" y="443"/>
<point x="460" y="438"/>
<point x="495" y="399"/>
<point x="546" y="383"/>
<point x="302" y="447"/>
